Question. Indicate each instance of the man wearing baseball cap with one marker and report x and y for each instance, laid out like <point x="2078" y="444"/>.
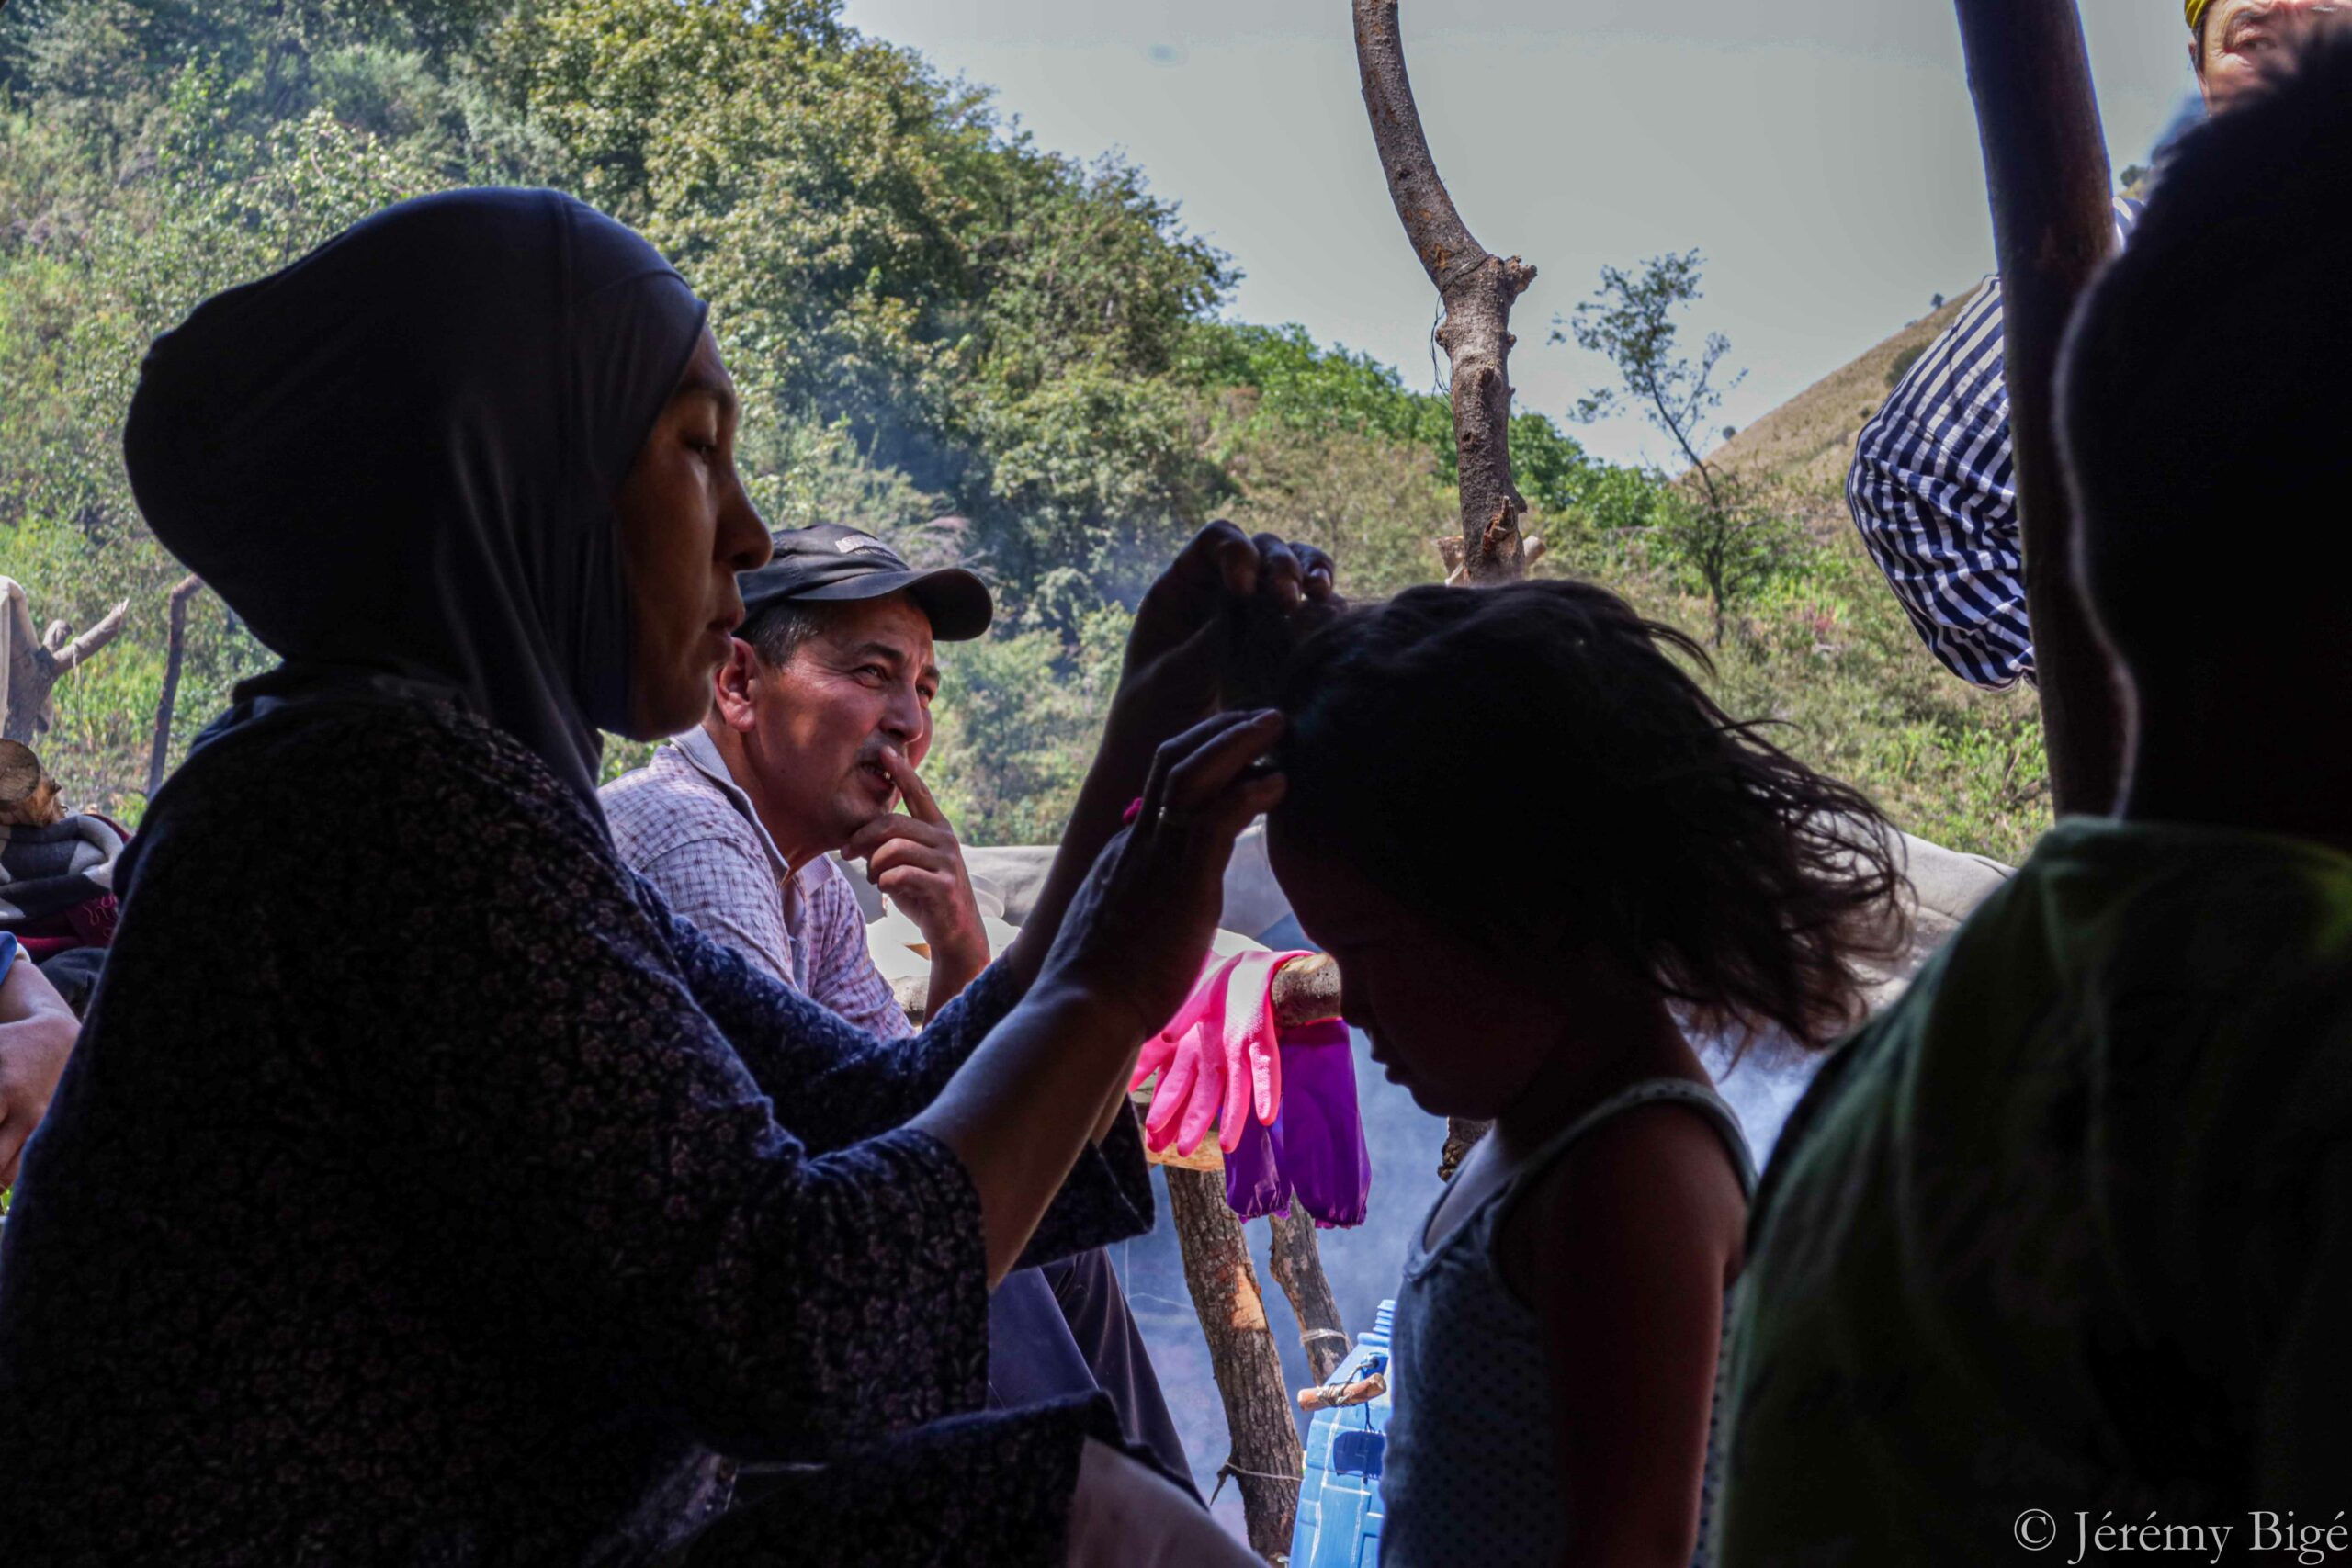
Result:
<point x="1932" y="488"/>
<point x="817" y="722"/>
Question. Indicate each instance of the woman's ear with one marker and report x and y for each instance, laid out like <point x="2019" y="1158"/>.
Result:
<point x="736" y="687"/>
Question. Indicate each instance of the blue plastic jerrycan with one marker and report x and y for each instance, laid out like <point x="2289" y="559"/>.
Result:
<point x="1338" y="1501"/>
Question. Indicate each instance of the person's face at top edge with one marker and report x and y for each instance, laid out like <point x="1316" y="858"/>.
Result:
<point x="686" y="529"/>
<point x="862" y="684"/>
<point x="2241" y="40"/>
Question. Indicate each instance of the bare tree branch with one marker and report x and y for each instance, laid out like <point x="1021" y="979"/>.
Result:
<point x="31" y="668"/>
<point x="98" y="637"/>
<point x="18" y="631"/>
<point x="1477" y="288"/>
<point x="17" y="646"/>
<point x="2045" y="164"/>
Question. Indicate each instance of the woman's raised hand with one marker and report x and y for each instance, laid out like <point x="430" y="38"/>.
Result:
<point x="1126" y="944"/>
<point x="1134" y="936"/>
<point x="1226" y="594"/>
<point x="1223" y="583"/>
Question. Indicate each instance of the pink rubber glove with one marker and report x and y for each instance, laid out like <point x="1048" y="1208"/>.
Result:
<point x="1250" y="1050"/>
<point x="1188" y="1097"/>
<point x="1218" y="1058"/>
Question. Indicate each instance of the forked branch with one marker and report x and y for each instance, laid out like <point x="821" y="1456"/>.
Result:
<point x="1479" y="289"/>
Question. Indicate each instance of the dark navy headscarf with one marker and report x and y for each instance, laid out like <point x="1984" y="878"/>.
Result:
<point x="395" y="459"/>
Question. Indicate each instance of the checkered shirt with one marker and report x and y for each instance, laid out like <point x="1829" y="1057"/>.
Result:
<point x="683" y="823"/>
<point x="1933" y="489"/>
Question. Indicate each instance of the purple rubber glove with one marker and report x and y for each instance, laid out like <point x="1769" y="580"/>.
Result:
<point x="1254" y="1183"/>
<point x="1319" y="1137"/>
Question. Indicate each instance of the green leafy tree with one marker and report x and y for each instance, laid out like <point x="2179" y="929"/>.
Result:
<point x="991" y="354"/>
<point x="104" y="266"/>
<point x="1715" y="522"/>
<point x="1374" y="506"/>
<point x="1020" y="717"/>
<point x="998" y="323"/>
<point x="1356" y="457"/>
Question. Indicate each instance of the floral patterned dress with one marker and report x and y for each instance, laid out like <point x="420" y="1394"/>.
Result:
<point x="423" y="1192"/>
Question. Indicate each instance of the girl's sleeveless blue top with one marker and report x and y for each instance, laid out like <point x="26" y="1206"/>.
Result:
<point x="1471" y="1478"/>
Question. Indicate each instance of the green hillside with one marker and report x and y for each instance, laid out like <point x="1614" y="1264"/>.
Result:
<point x="930" y="318"/>
<point x="1807" y="441"/>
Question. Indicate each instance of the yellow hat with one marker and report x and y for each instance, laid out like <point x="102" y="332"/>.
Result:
<point x="2197" y="9"/>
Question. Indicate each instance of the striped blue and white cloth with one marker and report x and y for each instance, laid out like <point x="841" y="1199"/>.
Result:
<point x="1933" y="491"/>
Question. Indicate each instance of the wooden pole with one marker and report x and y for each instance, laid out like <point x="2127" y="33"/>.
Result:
<point x="1298" y="1269"/>
<point x="175" y="653"/>
<point x="1478" y="290"/>
<point x="1216" y="1249"/>
<point x="2045" y="166"/>
<point x="1265" y="1460"/>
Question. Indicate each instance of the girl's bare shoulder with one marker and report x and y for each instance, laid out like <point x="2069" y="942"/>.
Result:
<point x="1655" y="1177"/>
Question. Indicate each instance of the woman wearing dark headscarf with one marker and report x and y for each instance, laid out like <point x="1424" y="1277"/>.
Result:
<point x="423" y="1192"/>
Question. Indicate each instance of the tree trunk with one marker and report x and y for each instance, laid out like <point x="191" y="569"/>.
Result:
<point x="1265" y="1459"/>
<point x="175" y="652"/>
<point x="32" y="666"/>
<point x="1298" y="1270"/>
<point x="1478" y="290"/>
<point x="2045" y="164"/>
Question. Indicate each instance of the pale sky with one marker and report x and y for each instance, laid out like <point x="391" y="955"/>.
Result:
<point x="1822" y="153"/>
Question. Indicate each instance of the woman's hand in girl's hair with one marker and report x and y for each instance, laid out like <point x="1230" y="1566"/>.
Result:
<point x="1136" y="934"/>
<point x="1119" y="951"/>
<point x="1177" y="660"/>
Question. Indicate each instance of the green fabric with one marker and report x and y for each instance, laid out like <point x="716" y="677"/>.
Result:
<point x="2067" y="1228"/>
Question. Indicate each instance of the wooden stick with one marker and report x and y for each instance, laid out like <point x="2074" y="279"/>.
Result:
<point x="1477" y="287"/>
<point x="1297" y="1262"/>
<point x="1265" y="1459"/>
<point x="1363" y="1391"/>
<point x="109" y="626"/>
<point x="2045" y="166"/>
<point x="175" y="653"/>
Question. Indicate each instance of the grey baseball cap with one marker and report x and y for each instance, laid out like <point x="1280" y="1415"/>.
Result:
<point x="827" y="563"/>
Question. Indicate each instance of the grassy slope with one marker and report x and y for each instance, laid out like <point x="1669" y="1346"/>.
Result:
<point x="1829" y="657"/>
<point x="1807" y="441"/>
